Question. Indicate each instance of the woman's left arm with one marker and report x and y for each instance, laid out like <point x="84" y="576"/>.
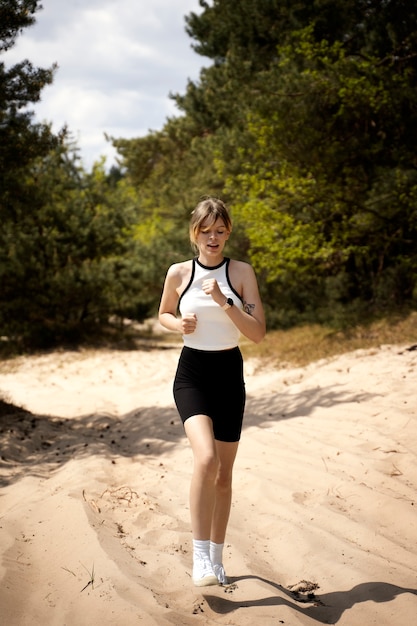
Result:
<point x="251" y="320"/>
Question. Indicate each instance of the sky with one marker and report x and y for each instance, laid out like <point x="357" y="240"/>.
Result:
<point x="118" y="61"/>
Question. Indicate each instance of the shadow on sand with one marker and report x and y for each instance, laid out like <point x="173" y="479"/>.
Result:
<point x="326" y="608"/>
<point x="34" y="444"/>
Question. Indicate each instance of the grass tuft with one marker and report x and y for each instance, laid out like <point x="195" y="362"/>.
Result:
<point x="302" y="345"/>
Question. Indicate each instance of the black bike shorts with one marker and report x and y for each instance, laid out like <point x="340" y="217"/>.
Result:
<point x="211" y="383"/>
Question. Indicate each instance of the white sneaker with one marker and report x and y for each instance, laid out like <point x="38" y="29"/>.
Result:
<point x="220" y="573"/>
<point x="203" y="573"/>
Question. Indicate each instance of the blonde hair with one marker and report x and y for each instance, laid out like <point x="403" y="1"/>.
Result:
<point x="205" y="214"/>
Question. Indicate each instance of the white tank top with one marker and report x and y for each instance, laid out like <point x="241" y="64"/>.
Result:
<point x="215" y="330"/>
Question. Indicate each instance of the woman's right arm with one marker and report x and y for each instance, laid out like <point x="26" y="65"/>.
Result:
<point x="169" y="301"/>
<point x="169" y="304"/>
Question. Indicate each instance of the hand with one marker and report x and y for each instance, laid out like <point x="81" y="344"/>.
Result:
<point x="211" y="288"/>
<point x="188" y="323"/>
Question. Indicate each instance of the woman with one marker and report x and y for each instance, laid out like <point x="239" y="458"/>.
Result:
<point x="218" y="298"/>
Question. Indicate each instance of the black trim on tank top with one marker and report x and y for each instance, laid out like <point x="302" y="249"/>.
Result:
<point x="229" y="282"/>
<point x="212" y="267"/>
<point x="190" y="282"/>
<point x="195" y="260"/>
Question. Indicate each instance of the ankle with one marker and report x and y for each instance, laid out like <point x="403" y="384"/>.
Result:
<point x="201" y="547"/>
<point x="216" y="552"/>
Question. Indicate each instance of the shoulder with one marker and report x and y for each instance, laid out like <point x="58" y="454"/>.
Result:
<point x="241" y="268"/>
<point x="178" y="275"/>
<point x="180" y="269"/>
<point x="242" y="277"/>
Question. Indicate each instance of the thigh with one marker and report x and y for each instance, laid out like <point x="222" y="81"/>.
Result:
<point x="192" y="384"/>
<point x="228" y="404"/>
<point x="199" y="430"/>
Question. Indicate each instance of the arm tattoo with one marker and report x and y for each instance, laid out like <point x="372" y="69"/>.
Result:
<point x="248" y="308"/>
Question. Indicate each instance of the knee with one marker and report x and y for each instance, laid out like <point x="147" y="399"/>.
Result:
<point x="223" y="481"/>
<point x="207" y="466"/>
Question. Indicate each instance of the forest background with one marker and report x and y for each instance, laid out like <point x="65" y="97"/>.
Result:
<point x="305" y="123"/>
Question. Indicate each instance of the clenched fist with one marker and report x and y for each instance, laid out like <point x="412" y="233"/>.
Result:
<point x="188" y="323"/>
<point x="211" y="288"/>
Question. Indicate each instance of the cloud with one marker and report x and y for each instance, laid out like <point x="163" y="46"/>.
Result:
<point x="118" y="60"/>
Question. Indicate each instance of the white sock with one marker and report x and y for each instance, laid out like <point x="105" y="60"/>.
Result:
<point x="201" y="547"/>
<point x="216" y="553"/>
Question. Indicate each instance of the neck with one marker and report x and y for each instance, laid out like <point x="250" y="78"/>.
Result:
<point x="210" y="261"/>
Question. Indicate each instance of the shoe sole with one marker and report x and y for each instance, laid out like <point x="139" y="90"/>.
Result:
<point x="206" y="581"/>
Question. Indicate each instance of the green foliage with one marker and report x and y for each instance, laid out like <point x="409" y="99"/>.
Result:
<point x="14" y="16"/>
<point x="70" y="261"/>
<point x="170" y="168"/>
<point x="327" y="190"/>
<point x="20" y="85"/>
<point x="305" y="123"/>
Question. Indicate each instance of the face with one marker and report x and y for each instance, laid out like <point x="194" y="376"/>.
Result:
<point x="211" y="239"/>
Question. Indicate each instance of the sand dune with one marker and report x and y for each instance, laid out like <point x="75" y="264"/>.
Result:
<point x="94" y="478"/>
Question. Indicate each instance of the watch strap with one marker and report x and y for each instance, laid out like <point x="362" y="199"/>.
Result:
<point x="229" y="303"/>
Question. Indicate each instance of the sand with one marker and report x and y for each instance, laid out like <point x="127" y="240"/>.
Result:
<point x="94" y="479"/>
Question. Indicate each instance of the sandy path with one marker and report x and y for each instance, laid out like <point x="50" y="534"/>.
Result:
<point x="94" y="522"/>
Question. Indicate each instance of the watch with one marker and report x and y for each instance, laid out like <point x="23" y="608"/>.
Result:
<point x="229" y="303"/>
